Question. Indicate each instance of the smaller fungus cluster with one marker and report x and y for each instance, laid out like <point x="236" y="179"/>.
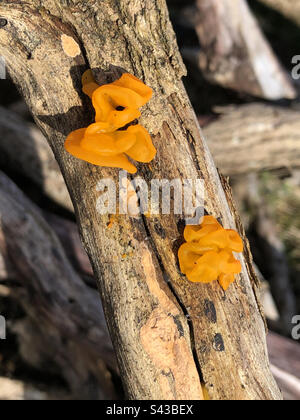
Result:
<point x="207" y="254"/>
<point x="110" y="141"/>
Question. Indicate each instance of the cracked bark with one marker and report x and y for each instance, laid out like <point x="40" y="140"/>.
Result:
<point x="146" y="315"/>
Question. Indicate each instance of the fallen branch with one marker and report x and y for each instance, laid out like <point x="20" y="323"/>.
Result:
<point x="255" y="137"/>
<point x="65" y="325"/>
<point x="24" y="150"/>
<point x="284" y="357"/>
<point x="234" y="52"/>
<point x="12" y="390"/>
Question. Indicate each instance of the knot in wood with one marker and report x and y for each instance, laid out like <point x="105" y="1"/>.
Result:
<point x="3" y="22"/>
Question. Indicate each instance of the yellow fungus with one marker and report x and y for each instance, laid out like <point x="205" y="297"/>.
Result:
<point x="207" y="254"/>
<point x="116" y="105"/>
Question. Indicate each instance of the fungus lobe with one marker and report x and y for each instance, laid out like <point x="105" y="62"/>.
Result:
<point x="207" y="254"/>
<point x="106" y="142"/>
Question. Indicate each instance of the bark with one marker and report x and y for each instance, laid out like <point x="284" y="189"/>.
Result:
<point x="24" y="150"/>
<point x="132" y="259"/>
<point x="234" y="52"/>
<point x="65" y="326"/>
<point x="289" y="8"/>
<point x="253" y="138"/>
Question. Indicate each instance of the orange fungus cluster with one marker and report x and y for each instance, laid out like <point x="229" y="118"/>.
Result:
<point x="207" y="254"/>
<point x="107" y="142"/>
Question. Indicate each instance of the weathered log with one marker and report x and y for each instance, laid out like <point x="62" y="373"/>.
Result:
<point x="24" y="150"/>
<point x="153" y="339"/>
<point x="289" y="8"/>
<point x="234" y="52"/>
<point x="65" y="325"/>
<point x="254" y="137"/>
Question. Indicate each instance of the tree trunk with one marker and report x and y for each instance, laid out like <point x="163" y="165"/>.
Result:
<point x="161" y="353"/>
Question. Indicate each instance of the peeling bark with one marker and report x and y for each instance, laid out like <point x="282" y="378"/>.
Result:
<point x="137" y="36"/>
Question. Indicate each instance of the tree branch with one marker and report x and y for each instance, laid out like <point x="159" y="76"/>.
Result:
<point x="234" y="52"/>
<point x="253" y="138"/>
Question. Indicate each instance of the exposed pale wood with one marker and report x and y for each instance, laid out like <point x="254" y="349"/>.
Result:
<point x="254" y="137"/>
<point x="23" y="149"/>
<point x="138" y="37"/>
<point x="268" y="302"/>
<point x="17" y="390"/>
<point x="3" y="269"/>
<point x="289" y="384"/>
<point x="7" y="270"/>
<point x="12" y="390"/>
<point x="234" y="52"/>
<point x="65" y="325"/>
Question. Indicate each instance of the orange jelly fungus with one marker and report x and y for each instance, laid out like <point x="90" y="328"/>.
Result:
<point x="116" y="106"/>
<point x="207" y="254"/>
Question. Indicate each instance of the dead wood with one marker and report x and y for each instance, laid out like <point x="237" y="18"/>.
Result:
<point x="254" y="137"/>
<point x="65" y="325"/>
<point x="132" y="259"/>
<point x="234" y="52"/>
<point x="24" y="150"/>
<point x="284" y="357"/>
<point x="16" y="390"/>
